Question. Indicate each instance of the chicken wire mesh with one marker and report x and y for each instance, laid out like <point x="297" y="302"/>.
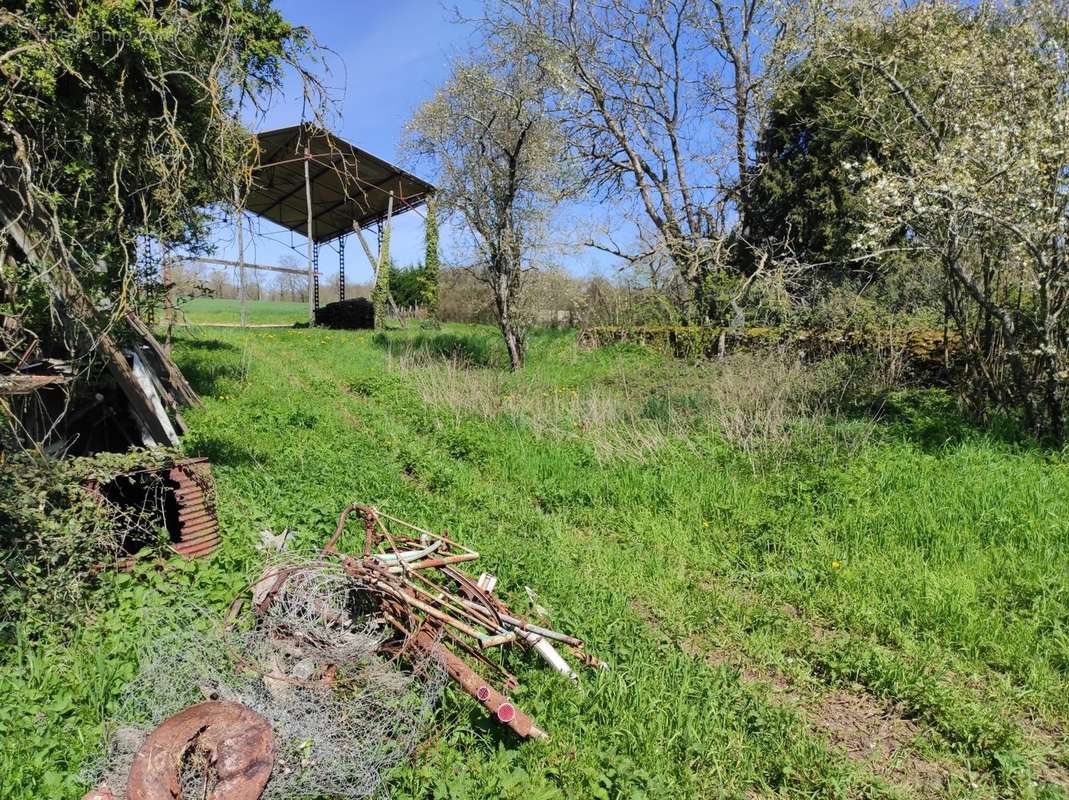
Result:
<point x="343" y="712"/>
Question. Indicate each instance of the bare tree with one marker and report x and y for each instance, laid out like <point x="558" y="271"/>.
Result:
<point x="662" y="98"/>
<point x="219" y="282"/>
<point x="750" y="40"/>
<point x="499" y="157"/>
<point x="292" y="287"/>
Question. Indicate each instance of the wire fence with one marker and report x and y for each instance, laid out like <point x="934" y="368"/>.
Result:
<point x="343" y="713"/>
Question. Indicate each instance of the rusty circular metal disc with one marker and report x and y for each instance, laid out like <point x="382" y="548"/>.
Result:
<point x="237" y="740"/>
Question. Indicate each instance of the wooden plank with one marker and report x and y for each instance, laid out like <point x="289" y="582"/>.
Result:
<point x="27" y="384"/>
<point x="70" y="296"/>
<point x="311" y="239"/>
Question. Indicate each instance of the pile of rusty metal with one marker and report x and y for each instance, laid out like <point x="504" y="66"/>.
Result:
<point x="433" y="604"/>
<point x="332" y="678"/>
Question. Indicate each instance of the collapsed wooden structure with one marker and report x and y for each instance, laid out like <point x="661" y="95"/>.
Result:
<point x="153" y="387"/>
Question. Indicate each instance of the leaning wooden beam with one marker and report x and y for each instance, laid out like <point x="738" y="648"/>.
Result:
<point x="372" y="259"/>
<point x="367" y="249"/>
<point x="311" y="238"/>
<point x="176" y="381"/>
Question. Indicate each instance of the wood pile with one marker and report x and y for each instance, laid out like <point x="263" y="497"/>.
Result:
<point x="355" y="314"/>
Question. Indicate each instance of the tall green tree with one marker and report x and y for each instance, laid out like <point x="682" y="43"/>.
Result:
<point x="807" y="196"/>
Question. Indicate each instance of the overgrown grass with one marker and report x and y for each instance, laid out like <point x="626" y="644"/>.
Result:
<point x="732" y="573"/>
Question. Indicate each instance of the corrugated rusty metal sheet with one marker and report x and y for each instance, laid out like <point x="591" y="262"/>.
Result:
<point x="198" y="529"/>
<point x="195" y="529"/>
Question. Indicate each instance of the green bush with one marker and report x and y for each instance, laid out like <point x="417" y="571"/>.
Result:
<point x="684" y="341"/>
<point x="920" y="353"/>
<point x="56" y="534"/>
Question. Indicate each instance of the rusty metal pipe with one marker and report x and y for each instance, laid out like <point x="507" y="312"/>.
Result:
<point x="473" y="684"/>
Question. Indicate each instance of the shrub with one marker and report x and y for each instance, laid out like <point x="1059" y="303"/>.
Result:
<point x="683" y="341"/>
<point x="56" y="534"/>
<point x="927" y="355"/>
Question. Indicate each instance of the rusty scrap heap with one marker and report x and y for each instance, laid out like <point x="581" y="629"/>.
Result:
<point x="427" y="598"/>
<point x="331" y="680"/>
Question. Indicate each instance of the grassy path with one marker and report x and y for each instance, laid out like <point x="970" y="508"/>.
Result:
<point x="695" y="571"/>
<point x="884" y="619"/>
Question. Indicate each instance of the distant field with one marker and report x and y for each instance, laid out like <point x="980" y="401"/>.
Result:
<point x="208" y="310"/>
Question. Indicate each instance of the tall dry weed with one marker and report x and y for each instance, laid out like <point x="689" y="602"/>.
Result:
<point x="757" y="402"/>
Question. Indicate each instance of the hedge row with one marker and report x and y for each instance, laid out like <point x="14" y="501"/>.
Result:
<point x="925" y="350"/>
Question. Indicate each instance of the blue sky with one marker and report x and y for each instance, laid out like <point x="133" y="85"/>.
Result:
<point x="387" y="59"/>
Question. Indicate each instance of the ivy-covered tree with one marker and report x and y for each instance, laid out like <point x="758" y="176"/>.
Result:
<point x="380" y="295"/>
<point x="119" y="123"/>
<point x="430" y="275"/>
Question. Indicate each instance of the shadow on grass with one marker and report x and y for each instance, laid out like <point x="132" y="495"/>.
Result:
<point x="205" y="345"/>
<point x="221" y="451"/>
<point x="208" y="364"/>
<point x="473" y="350"/>
<point x="933" y="419"/>
<point x="210" y="379"/>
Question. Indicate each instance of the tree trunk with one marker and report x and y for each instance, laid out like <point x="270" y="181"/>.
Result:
<point x="501" y="283"/>
<point x="514" y="346"/>
<point x="742" y="112"/>
<point x="1021" y="380"/>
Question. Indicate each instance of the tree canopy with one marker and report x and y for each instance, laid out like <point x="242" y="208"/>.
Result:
<point x="120" y="124"/>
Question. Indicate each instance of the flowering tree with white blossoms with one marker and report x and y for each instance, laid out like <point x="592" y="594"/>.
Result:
<point x="973" y="103"/>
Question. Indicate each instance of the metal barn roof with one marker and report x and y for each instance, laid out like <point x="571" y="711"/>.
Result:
<point x="348" y="184"/>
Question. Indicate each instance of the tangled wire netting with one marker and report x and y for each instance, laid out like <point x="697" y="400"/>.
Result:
<point x="343" y="713"/>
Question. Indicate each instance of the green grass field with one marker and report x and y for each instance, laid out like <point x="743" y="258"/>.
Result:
<point x="827" y="607"/>
<point x="211" y="310"/>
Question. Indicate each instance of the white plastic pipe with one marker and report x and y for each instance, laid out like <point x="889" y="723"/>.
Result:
<point x="549" y="653"/>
